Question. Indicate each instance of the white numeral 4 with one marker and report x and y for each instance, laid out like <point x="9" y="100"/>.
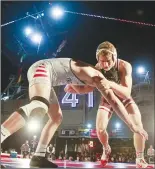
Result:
<point x="73" y="100"/>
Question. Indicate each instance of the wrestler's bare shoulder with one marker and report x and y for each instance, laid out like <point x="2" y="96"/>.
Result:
<point x="124" y="64"/>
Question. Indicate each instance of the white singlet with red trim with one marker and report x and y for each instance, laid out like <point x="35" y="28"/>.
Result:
<point x="55" y="72"/>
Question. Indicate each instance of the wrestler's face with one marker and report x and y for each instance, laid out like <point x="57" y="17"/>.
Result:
<point x="106" y="62"/>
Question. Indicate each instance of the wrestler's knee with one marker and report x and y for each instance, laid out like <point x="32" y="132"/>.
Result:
<point x="55" y="113"/>
<point x="101" y="128"/>
<point x="57" y="118"/>
<point x="101" y="131"/>
<point x="37" y="107"/>
<point x="135" y="115"/>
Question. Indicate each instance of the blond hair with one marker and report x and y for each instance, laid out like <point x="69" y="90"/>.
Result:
<point x="106" y="48"/>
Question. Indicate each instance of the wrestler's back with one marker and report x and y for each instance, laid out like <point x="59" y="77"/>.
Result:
<point x="59" y="71"/>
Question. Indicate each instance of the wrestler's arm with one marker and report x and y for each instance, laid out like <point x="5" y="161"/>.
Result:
<point x="78" y="89"/>
<point x="123" y="90"/>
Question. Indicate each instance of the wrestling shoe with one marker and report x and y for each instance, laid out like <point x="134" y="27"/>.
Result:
<point x="2" y="166"/>
<point x="141" y="163"/>
<point x="37" y="161"/>
<point x="105" y="155"/>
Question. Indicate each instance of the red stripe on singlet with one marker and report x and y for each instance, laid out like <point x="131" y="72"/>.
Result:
<point x="40" y="75"/>
<point x="40" y="70"/>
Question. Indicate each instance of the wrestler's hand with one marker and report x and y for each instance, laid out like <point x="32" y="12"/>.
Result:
<point x="68" y="89"/>
<point x="139" y="130"/>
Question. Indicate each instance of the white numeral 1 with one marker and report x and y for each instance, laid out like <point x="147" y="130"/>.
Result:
<point x="90" y="99"/>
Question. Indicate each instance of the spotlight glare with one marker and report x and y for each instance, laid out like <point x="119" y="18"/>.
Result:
<point x="118" y="125"/>
<point x="57" y="12"/>
<point x="33" y="125"/>
<point x="42" y="14"/>
<point x="36" y="38"/>
<point x="140" y="70"/>
<point x="89" y="126"/>
<point x="28" y="31"/>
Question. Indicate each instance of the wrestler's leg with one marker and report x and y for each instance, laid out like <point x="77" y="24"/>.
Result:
<point x="135" y="115"/>
<point x="139" y="142"/>
<point x="55" y="119"/>
<point x="16" y="120"/>
<point x="37" y="107"/>
<point x="102" y="121"/>
<point x="11" y="125"/>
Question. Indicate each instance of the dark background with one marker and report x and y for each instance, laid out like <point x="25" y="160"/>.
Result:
<point x="135" y="43"/>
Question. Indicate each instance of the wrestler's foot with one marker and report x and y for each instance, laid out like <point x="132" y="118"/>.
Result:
<point x="38" y="161"/>
<point x="141" y="163"/>
<point x="105" y="155"/>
